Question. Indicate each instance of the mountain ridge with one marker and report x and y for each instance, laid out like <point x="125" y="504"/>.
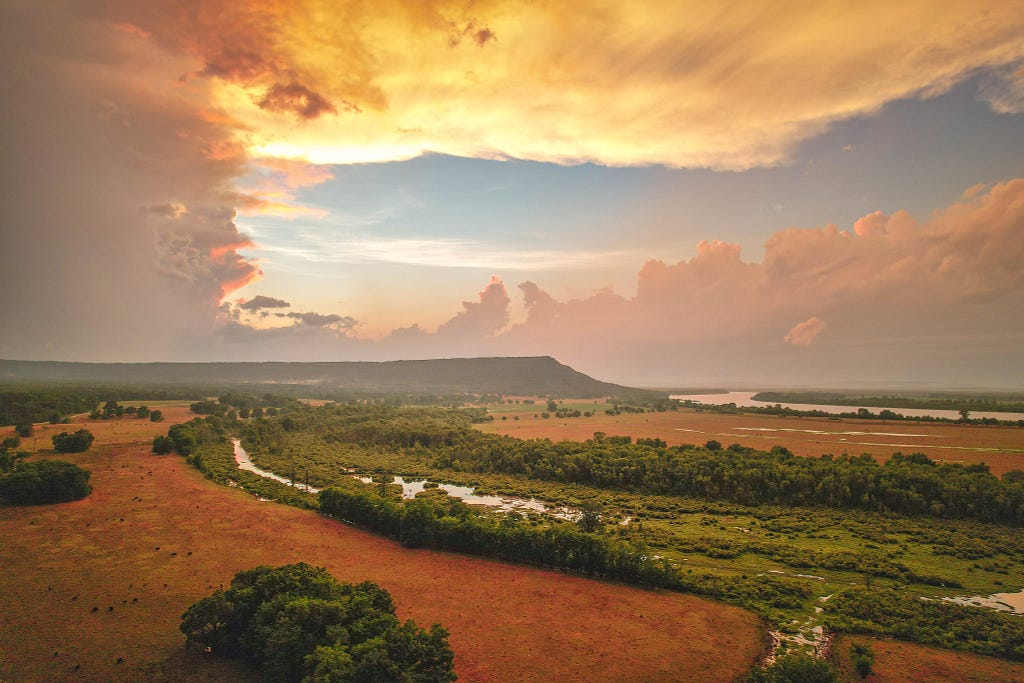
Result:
<point x="525" y="375"/>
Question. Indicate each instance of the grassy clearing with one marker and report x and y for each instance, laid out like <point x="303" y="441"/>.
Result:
<point x="155" y="536"/>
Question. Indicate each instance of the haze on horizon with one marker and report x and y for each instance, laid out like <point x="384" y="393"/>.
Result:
<point x="655" y="194"/>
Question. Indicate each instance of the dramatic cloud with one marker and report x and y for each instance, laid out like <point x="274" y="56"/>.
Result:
<point x="924" y="290"/>
<point x="259" y="302"/>
<point x="118" y="218"/>
<point x="682" y="84"/>
<point x="804" y="334"/>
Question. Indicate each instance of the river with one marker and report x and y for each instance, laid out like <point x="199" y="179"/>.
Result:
<point x="744" y="399"/>
<point x="410" y="487"/>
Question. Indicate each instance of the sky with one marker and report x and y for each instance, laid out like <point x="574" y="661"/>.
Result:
<point x="658" y="194"/>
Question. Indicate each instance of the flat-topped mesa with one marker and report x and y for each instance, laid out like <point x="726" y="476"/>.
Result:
<point x="527" y="376"/>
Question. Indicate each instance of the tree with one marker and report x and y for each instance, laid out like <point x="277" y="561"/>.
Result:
<point x="863" y="658"/>
<point x="156" y="416"/>
<point x="142" y="412"/>
<point x="590" y="517"/>
<point x="45" y="481"/>
<point x="162" y="445"/>
<point x="24" y="429"/>
<point x="11" y="442"/>
<point x="296" y="622"/>
<point x="78" y="442"/>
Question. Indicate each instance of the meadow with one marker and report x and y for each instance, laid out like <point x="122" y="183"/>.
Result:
<point x="155" y="535"/>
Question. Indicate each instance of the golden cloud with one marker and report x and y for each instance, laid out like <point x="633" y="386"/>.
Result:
<point x="694" y="84"/>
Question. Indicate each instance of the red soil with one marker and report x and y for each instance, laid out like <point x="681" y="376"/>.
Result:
<point x="899" y="662"/>
<point x="116" y="549"/>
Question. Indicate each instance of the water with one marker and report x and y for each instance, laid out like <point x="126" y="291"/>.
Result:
<point x="744" y="399"/>
<point x="1002" y="602"/>
<point x="410" y="487"/>
<point x="246" y="463"/>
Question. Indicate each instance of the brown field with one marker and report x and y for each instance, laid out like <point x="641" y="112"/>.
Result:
<point x="1001" y="448"/>
<point x="899" y="662"/>
<point x="154" y="536"/>
<point x="123" y="430"/>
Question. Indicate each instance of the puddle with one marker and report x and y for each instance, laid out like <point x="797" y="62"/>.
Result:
<point x="1003" y="602"/>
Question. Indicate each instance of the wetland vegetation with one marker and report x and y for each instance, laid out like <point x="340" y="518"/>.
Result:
<point x="842" y="544"/>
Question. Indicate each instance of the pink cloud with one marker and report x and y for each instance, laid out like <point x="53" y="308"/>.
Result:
<point x="804" y="334"/>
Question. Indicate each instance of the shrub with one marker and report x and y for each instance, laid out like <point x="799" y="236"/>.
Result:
<point x="795" y="667"/>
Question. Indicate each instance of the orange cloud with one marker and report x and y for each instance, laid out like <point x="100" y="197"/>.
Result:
<point x="682" y="84"/>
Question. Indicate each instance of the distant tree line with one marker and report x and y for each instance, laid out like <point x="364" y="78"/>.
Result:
<point x="26" y="404"/>
<point x="1011" y="403"/>
<point x="859" y="414"/>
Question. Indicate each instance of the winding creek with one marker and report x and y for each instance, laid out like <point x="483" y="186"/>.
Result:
<point x="1006" y="602"/>
<point x="410" y="487"/>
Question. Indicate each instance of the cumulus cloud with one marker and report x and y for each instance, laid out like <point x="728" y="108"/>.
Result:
<point x="804" y="334"/>
<point x="921" y="289"/>
<point x="481" y="318"/>
<point x="120" y="193"/>
<point x="694" y="85"/>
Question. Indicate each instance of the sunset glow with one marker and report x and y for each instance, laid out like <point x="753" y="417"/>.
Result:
<point x="651" y="192"/>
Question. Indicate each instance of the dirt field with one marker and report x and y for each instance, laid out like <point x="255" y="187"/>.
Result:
<point x="1001" y="448"/>
<point x="154" y="536"/>
<point x="899" y="662"/>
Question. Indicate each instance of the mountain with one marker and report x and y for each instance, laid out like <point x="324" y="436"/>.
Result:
<point x="534" y="376"/>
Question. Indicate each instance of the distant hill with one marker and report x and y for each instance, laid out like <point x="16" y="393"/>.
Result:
<point x="537" y="376"/>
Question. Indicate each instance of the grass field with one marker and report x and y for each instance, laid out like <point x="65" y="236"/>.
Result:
<point x="1001" y="448"/>
<point x="154" y="536"/>
<point x="898" y="662"/>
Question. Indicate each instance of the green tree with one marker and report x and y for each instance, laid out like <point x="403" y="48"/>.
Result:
<point x="156" y="416"/>
<point x="45" y="481"/>
<point x="590" y="517"/>
<point x="863" y="658"/>
<point x="142" y="412"/>
<point x="297" y="622"/>
<point x="78" y="442"/>
<point x="24" y="429"/>
<point x="162" y="445"/>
